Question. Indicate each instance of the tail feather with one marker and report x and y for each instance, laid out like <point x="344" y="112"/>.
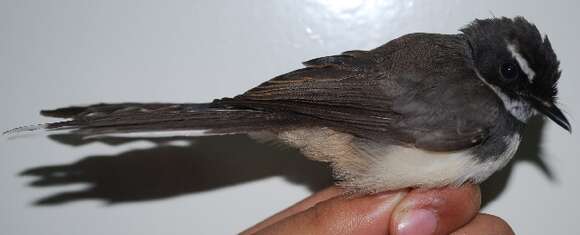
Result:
<point x="123" y="118"/>
<point x="25" y="129"/>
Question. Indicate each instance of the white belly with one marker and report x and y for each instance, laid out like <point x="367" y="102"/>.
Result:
<point x="374" y="168"/>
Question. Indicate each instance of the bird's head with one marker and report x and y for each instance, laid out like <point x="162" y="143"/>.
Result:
<point x="512" y="57"/>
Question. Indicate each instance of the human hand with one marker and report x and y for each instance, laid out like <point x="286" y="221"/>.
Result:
<point x="418" y="211"/>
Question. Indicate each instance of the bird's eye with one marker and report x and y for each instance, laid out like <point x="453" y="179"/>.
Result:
<point x="509" y="71"/>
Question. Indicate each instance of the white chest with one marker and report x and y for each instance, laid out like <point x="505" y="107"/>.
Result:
<point x="374" y="168"/>
<point x="400" y="167"/>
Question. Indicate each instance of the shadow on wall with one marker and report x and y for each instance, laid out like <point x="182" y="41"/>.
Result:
<point x="211" y="163"/>
<point x="168" y="171"/>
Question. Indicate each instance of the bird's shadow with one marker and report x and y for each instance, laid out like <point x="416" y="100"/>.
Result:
<point x="210" y="163"/>
<point x="167" y="171"/>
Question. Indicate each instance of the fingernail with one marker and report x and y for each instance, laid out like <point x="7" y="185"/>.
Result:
<point x="417" y="222"/>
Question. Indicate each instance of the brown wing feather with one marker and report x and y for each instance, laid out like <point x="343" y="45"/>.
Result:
<point x="339" y="90"/>
<point x="378" y="95"/>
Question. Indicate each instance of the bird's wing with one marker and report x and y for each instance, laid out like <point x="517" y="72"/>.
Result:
<point x="352" y="93"/>
<point x="334" y="89"/>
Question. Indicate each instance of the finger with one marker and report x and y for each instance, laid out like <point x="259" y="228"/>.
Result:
<point x="342" y="215"/>
<point x="436" y="211"/>
<point x="308" y="202"/>
<point x="484" y="224"/>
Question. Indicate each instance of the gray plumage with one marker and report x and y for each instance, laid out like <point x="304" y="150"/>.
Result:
<point x="443" y="99"/>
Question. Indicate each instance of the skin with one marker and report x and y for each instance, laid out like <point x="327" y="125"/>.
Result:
<point x="330" y="211"/>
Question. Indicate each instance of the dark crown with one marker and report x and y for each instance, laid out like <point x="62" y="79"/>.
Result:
<point x="486" y="35"/>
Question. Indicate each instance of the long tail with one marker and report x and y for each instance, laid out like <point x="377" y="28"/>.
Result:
<point x="155" y="118"/>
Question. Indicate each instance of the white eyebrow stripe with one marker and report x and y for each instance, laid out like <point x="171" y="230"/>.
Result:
<point x="522" y="62"/>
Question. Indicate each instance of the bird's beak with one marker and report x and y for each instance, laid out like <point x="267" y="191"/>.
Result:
<point x="550" y="110"/>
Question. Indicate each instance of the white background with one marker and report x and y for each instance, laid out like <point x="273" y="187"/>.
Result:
<point x="58" y="53"/>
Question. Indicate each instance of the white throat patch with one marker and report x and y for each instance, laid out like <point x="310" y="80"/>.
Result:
<point x="522" y="62"/>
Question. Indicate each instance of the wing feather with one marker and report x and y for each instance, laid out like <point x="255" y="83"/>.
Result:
<point x="376" y="95"/>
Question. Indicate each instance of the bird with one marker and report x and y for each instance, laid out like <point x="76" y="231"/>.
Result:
<point x="424" y="110"/>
